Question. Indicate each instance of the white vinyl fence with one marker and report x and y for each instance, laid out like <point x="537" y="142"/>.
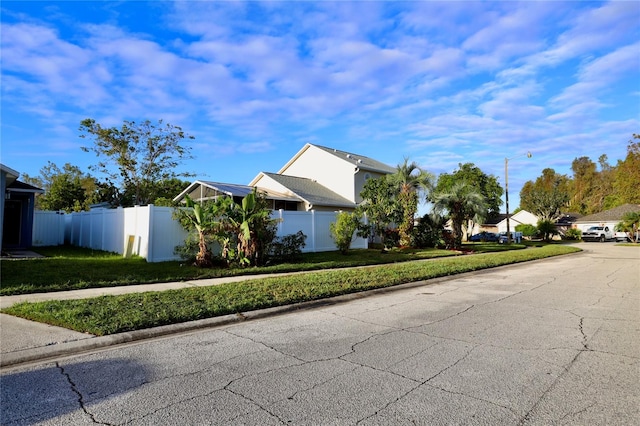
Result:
<point x="152" y="233"/>
<point x="48" y="228"/>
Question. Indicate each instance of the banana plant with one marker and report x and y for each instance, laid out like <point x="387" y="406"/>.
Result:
<point x="251" y="219"/>
<point x="199" y="219"/>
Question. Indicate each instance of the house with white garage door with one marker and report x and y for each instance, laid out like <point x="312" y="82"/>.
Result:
<point x="608" y="218"/>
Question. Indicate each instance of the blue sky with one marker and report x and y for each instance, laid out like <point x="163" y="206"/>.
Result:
<point x="442" y="83"/>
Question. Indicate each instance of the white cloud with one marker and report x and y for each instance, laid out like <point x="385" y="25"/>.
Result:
<point x="599" y="75"/>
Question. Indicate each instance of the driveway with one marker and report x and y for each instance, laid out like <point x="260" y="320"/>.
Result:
<point x="547" y="342"/>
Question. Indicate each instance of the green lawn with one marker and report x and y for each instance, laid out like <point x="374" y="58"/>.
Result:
<point x="115" y="314"/>
<point x="71" y="268"/>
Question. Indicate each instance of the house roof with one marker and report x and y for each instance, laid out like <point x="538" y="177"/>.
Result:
<point x="11" y="175"/>
<point x="568" y="218"/>
<point x="496" y="219"/>
<point x="612" y="215"/>
<point x="310" y="191"/>
<point x="18" y="186"/>
<point x="202" y="189"/>
<point x="361" y="161"/>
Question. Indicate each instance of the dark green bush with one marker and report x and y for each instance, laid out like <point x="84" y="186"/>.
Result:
<point x="288" y="247"/>
<point x="428" y="233"/>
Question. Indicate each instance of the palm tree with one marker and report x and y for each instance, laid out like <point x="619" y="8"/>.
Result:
<point x="410" y="180"/>
<point x="462" y="203"/>
<point x="631" y="224"/>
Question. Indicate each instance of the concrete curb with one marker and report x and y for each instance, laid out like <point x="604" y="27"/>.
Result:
<point x="76" y="347"/>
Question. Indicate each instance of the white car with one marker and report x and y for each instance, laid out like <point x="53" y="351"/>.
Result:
<point x="598" y="233"/>
<point x="622" y="236"/>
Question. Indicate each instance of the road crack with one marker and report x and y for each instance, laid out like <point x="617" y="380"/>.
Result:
<point x="74" y="389"/>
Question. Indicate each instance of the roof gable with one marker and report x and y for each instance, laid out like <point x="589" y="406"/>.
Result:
<point x="356" y="160"/>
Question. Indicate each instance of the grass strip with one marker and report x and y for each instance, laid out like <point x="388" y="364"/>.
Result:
<point x="115" y="314"/>
<point x="73" y="268"/>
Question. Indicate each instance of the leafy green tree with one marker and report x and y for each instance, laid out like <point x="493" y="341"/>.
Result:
<point x="137" y="156"/>
<point x="486" y="185"/>
<point x="583" y="184"/>
<point x="462" y="203"/>
<point x="380" y="206"/>
<point x="547" y="228"/>
<point x="630" y="224"/>
<point x="343" y="230"/>
<point x="167" y="189"/>
<point x="67" y="189"/>
<point x="547" y="196"/>
<point x="410" y="180"/>
<point x="626" y="181"/>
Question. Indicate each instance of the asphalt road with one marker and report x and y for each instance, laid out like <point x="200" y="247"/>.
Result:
<point x="549" y="342"/>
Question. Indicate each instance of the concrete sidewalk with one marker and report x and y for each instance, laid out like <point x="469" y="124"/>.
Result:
<point x="23" y="341"/>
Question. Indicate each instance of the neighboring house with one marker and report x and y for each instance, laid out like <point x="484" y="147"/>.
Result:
<point x="341" y="172"/>
<point x="316" y="178"/>
<point x="609" y="217"/>
<point x="490" y="225"/>
<point x="499" y="224"/>
<point x="17" y="206"/>
<point x="523" y="217"/>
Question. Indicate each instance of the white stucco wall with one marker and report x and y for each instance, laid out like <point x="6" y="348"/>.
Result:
<point x="360" y="179"/>
<point x="326" y="169"/>
<point x="522" y="217"/>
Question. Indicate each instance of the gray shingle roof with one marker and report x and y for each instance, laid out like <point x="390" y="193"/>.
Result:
<point x="310" y="191"/>
<point x="361" y="161"/>
<point x="614" y="214"/>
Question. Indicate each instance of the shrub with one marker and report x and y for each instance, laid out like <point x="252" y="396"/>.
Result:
<point x="527" y="230"/>
<point x="391" y="238"/>
<point x="343" y="229"/>
<point x="288" y="247"/>
<point x="428" y="233"/>
<point x="573" y="234"/>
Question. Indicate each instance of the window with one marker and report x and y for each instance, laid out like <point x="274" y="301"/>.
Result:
<point x="285" y="205"/>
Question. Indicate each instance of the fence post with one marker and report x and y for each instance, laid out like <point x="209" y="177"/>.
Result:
<point x="280" y="222"/>
<point x="103" y="230"/>
<point x="313" y="230"/>
<point x="150" y="217"/>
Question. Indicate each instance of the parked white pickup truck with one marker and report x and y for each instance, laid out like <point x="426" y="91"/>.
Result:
<point x="598" y="233"/>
